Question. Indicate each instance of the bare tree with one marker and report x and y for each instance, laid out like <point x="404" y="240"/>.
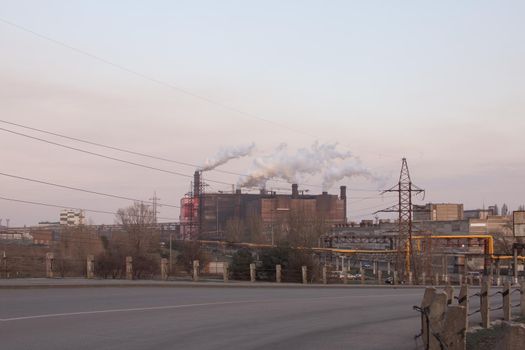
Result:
<point x="141" y="237"/>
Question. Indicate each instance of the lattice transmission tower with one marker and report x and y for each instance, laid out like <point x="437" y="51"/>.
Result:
<point x="405" y="250"/>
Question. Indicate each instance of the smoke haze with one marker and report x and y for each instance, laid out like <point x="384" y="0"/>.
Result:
<point x="226" y="154"/>
<point x="324" y="159"/>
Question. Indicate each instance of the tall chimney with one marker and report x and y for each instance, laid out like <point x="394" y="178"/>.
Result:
<point x="196" y="184"/>
<point x="295" y="191"/>
<point x="343" y="192"/>
<point x="342" y="196"/>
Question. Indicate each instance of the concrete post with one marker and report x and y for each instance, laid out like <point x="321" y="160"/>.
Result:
<point x="436" y="317"/>
<point x="522" y="299"/>
<point x="374" y="267"/>
<point x="379" y="277"/>
<point x="325" y="273"/>
<point x="425" y="305"/>
<point x="345" y="275"/>
<point x="304" y="274"/>
<point x="252" y="273"/>
<point x="164" y="269"/>
<point x="4" y="265"/>
<point x="226" y="272"/>
<point x="506" y="301"/>
<point x="450" y="293"/>
<point x="278" y="277"/>
<point x="129" y="268"/>
<point x="423" y="278"/>
<point x="388" y="268"/>
<point x="515" y="266"/>
<point x="463" y="300"/>
<point x="362" y="272"/>
<point x="195" y="275"/>
<point x="484" y="304"/>
<point x="396" y="281"/>
<point x="50" y="258"/>
<point x="90" y="266"/>
<point x="410" y="278"/>
<point x="454" y="332"/>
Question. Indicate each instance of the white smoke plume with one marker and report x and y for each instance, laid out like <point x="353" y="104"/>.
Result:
<point x="322" y="159"/>
<point x="338" y="172"/>
<point x="226" y="154"/>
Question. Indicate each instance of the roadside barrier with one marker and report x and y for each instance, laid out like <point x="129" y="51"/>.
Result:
<point x="444" y="325"/>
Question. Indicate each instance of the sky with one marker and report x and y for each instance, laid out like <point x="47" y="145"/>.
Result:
<point x="439" y="83"/>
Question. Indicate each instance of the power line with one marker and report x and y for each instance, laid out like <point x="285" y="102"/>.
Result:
<point x="65" y="206"/>
<point x="111" y="147"/>
<point x="154" y="80"/>
<point x="84" y="190"/>
<point x="140" y="154"/>
<point x="107" y="157"/>
<point x="160" y="82"/>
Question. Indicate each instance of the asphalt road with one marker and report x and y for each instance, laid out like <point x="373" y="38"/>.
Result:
<point x="208" y="318"/>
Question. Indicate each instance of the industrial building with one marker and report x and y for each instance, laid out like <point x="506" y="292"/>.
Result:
<point x="72" y="217"/>
<point x="205" y="215"/>
<point x="438" y="212"/>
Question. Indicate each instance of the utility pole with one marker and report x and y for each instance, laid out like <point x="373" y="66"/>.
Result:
<point x="405" y="189"/>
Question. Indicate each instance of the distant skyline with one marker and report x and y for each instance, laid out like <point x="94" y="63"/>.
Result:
<point x="439" y="83"/>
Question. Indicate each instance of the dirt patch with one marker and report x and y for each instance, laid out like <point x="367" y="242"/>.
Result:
<point x="487" y="339"/>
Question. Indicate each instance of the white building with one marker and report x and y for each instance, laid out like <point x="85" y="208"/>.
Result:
<point x="71" y="217"/>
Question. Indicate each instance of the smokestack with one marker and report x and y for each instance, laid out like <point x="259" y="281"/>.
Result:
<point x="196" y="184"/>
<point x="343" y="198"/>
<point x="295" y="191"/>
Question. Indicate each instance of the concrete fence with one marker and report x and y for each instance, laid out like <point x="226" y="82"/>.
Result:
<point x="444" y="322"/>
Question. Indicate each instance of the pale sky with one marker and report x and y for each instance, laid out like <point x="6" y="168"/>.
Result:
<point x="438" y="82"/>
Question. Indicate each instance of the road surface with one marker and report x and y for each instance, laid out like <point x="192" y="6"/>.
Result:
<point x="208" y="318"/>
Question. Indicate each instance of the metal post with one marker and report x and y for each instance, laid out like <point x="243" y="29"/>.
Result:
<point x="278" y="277"/>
